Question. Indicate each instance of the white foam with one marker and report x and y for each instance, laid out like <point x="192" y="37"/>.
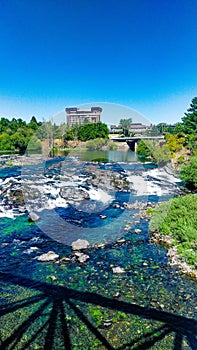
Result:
<point x="6" y="213"/>
<point x="163" y="174"/>
<point x="153" y="182"/>
<point x="100" y="195"/>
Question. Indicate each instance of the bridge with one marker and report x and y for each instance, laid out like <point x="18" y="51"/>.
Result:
<point x="132" y="141"/>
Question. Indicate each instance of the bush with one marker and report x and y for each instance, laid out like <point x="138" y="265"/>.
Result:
<point x="143" y="149"/>
<point x="188" y="173"/>
<point x="34" y="143"/>
<point x="162" y="155"/>
<point x="112" y="146"/>
<point x="96" y="144"/>
<point x="174" y="142"/>
<point x="181" y="159"/>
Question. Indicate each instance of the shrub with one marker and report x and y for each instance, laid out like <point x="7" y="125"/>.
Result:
<point x="96" y="144"/>
<point x="181" y="159"/>
<point x="143" y="149"/>
<point x="112" y="146"/>
<point x="188" y="173"/>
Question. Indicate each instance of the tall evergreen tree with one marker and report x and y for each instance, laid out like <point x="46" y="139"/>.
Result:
<point x="190" y="118"/>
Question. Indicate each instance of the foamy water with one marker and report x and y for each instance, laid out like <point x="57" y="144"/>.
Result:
<point x="41" y="193"/>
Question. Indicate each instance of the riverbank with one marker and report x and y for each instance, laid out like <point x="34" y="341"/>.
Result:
<point x="174" y="224"/>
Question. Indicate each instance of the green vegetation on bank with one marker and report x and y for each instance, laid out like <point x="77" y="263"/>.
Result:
<point x="15" y="134"/>
<point x="100" y="143"/>
<point x="160" y="154"/>
<point x="188" y="173"/>
<point x="177" y="218"/>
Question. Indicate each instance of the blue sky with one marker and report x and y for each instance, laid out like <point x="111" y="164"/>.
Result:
<point x="60" y="53"/>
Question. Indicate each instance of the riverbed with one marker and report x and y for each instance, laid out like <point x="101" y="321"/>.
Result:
<point x="65" y="304"/>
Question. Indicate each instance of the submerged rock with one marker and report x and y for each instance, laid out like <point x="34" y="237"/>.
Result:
<point x="82" y="258"/>
<point x="33" y="217"/>
<point x="118" y="269"/>
<point x="74" y="194"/>
<point x="80" y="244"/>
<point x="103" y="216"/>
<point x="50" y="256"/>
<point x="137" y="230"/>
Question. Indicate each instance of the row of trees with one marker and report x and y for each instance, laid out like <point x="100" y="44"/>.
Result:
<point x="18" y="135"/>
<point x="15" y="134"/>
<point x="88" y="131"/>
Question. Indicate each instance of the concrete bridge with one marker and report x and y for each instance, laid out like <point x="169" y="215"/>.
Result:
<point x="132" y="141"/>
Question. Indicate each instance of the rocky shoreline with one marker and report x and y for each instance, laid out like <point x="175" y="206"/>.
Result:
<point x="172" y="254"/>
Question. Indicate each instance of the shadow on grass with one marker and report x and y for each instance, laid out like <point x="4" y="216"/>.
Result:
<point x="50" y="319"/>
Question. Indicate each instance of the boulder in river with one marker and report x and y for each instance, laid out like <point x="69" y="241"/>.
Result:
<point x="82" y="258"/>
<point x="33" y="217"/>
<point x="118" y="269"/>
<point x="74" y="194"/>
<point x="50" y="256"/>
<point x="80" y="244"/>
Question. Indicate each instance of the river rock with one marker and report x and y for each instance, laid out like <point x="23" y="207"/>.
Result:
<point x="74" y="194"/>
<point x="103" y="216"/>
<point x="82" y="258"/>
<point x="118" y="269"/>
<point x="137" y="230"/>
<point x="33" y="217"/>
<point x="80" y="244"/>
<point x="116" y="205"/>
<point x="50" y="256"/>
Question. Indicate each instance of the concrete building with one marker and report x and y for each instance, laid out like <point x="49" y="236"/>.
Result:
<point x="139" y="128"/>
<point x="79" y="116"/>
<point x="135" y="128"/>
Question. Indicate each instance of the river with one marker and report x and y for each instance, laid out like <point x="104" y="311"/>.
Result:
<point x="65" y="304"/>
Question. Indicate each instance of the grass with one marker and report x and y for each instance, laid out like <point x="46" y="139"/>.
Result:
<point x="178" y="219"/>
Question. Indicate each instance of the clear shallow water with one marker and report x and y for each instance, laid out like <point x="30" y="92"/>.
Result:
<point x="74" y="306"/>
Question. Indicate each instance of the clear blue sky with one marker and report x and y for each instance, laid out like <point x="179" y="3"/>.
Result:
<point x="60" y="53"/>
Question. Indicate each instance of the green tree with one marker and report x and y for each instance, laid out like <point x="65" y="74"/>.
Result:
<point x="91" y="131"/>
<point x="4" y="124"/>
<point x="19" y="141"/>
<point x="191" y="142"/>
<point x="125" y="125"/>
<point x="190" y="118"/>
<point x="69" y="134"/>
<point x="33" y="124"/>
<point x="5" y="142"/>
<point x="143" y="149"/>
<point x="174" y="142"/>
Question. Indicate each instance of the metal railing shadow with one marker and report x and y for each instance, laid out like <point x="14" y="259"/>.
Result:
<point x="58" y="297"/>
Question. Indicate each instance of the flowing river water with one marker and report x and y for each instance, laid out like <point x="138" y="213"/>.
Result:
<point x="125" y="295"/>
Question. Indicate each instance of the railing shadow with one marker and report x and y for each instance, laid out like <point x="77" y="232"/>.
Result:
<point x="52" y="301"/>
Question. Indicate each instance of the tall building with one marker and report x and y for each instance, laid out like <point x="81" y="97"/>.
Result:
<point x="79" y="116"/>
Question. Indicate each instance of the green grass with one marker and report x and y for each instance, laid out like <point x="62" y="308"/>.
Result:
<point x="178" y="219"/>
